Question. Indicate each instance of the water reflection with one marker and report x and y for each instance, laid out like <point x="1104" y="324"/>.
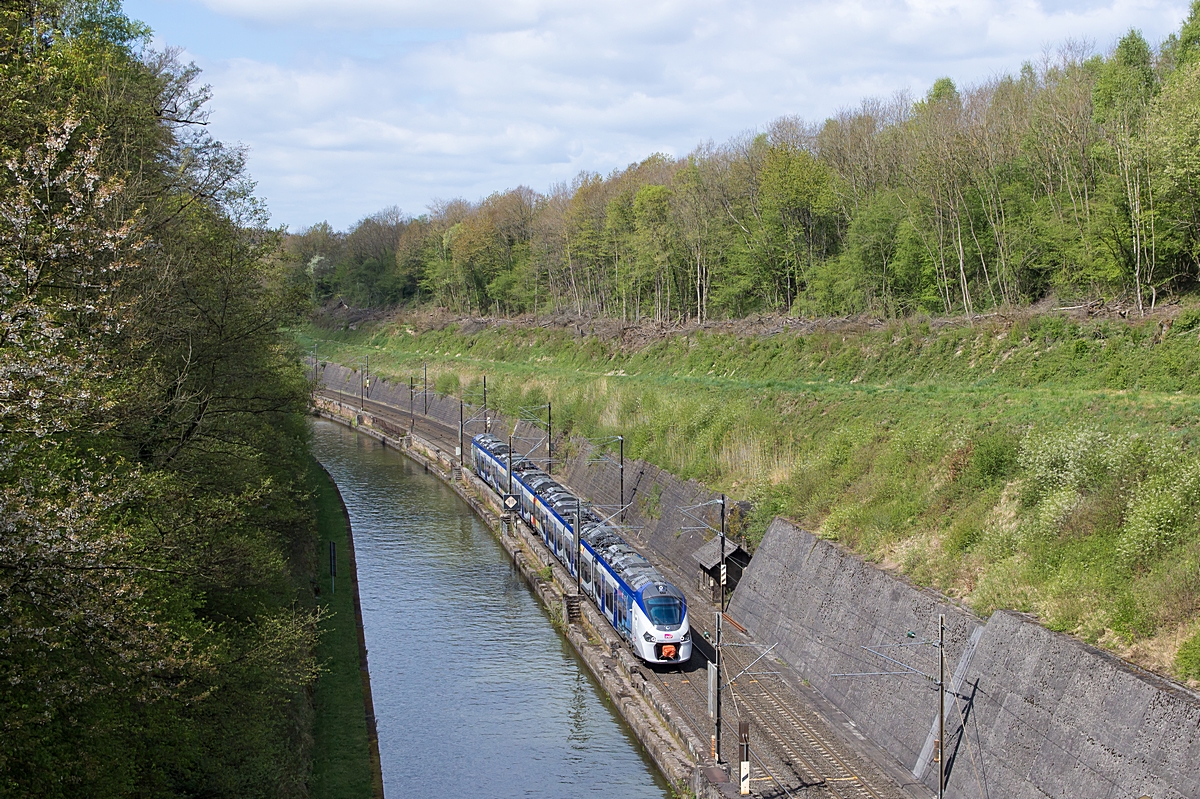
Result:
<point x="475" y="692"/>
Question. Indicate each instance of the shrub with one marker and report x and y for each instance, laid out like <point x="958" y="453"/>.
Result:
<point x="995" y="455"/>
<point x="1187" y="659"/>
<point x="1161" y="514"/>
<point x="1071" y="459"/>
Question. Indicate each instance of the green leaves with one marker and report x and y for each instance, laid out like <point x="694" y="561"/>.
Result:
<point x="153" y="514"/>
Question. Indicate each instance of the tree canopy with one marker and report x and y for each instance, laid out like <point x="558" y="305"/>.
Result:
<point x="154" y="525"/>
<point x="1073" y="177"/>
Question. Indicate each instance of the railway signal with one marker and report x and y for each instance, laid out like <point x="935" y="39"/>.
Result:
<point x="510" y="502"/>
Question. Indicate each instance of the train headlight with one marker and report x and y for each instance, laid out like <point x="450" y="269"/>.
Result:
<point x="648" y="637"/>
<point x="687" y="636"/>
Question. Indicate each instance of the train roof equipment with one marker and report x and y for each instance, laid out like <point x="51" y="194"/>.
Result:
<point x="603" y="538"/>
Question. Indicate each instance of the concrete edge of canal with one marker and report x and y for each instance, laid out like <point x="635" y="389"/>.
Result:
<point x="677" y="753"/>
<point x="363" y="667"/>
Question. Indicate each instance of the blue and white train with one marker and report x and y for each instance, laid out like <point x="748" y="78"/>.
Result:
<point x="645" y="609"/>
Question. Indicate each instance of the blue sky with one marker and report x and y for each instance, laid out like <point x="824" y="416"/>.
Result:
<point x="349" y="107"/>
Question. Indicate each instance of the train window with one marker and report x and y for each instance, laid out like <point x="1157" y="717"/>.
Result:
<point x="664" y="611"/>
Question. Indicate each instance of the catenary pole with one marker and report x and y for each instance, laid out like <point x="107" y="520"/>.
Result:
<point x="621" y="469"/>
<point x="941" y="747"/>
<point x="717" y="699"/>
<point x="722" y="577"/>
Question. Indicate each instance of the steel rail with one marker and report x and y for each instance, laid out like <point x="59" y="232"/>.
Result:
<point x="703" y="730"/>
<point x="841" y="771"/>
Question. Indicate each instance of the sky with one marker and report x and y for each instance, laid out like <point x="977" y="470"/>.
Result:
<point x="350" y="107"/>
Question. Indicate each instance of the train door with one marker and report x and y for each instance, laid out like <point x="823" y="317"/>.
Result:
<point x="585" y="572"/>
<point x="623" y="614"/>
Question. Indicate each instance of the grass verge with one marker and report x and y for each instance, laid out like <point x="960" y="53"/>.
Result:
<point x="1039" y="464"/>
<point x="342" y="767"/>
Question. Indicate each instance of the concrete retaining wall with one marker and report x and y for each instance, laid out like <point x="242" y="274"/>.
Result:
<point x="1046" y="715"/>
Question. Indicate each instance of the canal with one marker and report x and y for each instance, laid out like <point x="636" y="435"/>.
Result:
<point x="476" y="694"/>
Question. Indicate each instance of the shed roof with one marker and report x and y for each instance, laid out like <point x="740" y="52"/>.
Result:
<point x="709" y="555"/>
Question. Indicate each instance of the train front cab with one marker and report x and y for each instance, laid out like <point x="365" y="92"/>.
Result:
<point x="661" y="633"/>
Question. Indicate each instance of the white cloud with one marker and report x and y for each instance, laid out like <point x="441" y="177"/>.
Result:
<point x="531" y="92"/>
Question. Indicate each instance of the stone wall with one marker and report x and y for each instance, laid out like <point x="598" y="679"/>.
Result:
<point x="1046" y="715"/>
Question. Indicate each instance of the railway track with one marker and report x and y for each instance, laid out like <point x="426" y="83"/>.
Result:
<point x="794" y="752"/>
<point x="795" y="755"/>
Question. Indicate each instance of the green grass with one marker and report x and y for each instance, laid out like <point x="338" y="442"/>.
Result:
<point x="1037" y="464"/>
<point x="341" y="755"/>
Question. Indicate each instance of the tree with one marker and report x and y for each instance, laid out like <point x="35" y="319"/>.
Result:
<point x="152" y="436"/>
<point x="1123" y="91"/>
<point x="1174" y="136"/>
<point x="798" y="210"/>
<point x="654" y="251"/>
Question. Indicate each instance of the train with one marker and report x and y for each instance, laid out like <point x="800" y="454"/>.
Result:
<point x="646" y="610"/>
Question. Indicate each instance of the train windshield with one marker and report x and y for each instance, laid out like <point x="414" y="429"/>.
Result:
<point x="664" y="611"/>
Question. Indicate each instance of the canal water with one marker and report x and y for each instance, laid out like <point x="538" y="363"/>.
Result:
<point x="476" y="694"/>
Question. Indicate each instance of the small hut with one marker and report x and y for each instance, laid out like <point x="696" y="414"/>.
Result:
<point x="709" y="559"/>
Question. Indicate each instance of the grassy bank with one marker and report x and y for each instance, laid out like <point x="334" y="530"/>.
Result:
<point x="342" y="767"/>
<point x="1034" y="463"/>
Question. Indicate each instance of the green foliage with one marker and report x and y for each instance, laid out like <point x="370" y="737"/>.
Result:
<point x="995" y="456"/>
<point x="1188" y="48"/>
<point x="1126" y="82"/>
<point x="942" y="91"/>
<point x="1187" y="659"/>
<point x="1162" y="513"/>
<point x="153" y="482"/>
<point x="651" y="504"/>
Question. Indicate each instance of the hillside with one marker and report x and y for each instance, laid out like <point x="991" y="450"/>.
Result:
<point x="1037" y="462"/>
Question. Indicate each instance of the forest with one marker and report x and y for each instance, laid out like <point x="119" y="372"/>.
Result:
<point x="157" y="551"/>
<point x="1076" y="177"/>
